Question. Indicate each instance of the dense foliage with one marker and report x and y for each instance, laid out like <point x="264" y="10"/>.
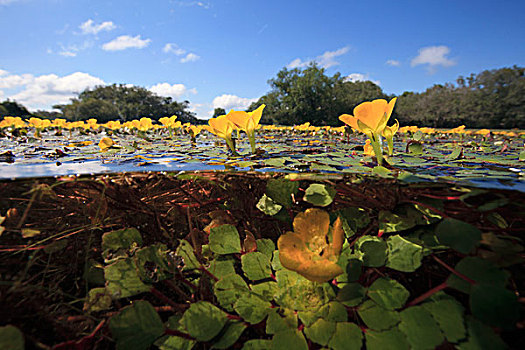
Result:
<point x="490" y="99"/>
<point x="124" y="103"/>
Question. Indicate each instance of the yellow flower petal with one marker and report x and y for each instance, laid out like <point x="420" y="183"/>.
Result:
<point x="105" y="143"/>
<point x="349" y="120"/>
<point x="371" y="113"/>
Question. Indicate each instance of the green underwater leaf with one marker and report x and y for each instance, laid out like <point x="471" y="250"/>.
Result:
<point x="458" y="234"/>
<point x="320" y="331"/>
<point x="481" y="336"/>
<point x="388" y="293"/>
<point x="268" y="205"/>
<point x="479" y="270"/>
<point x="319" y="194"/>
<point x="347" y="336"/>
<point x="203" y="320"/>
<point x="252" y="308"/>
<point x="281" y="190"/>
<point x="123" y="280"/>
<point x="403" y="255"/>
<point x="11" y="338"/>
<point x="392" y="339"/>
<point x="372" y="250"/>
<point x="420" y="328"/>
<point x="136" y="326"/>
<point x="377" y="317"/>
<point x="256" y="266"/>
<point x="495" y="305"/>
<point x="185" y="251"/>
<point x="225" y="239"/>
<point x="117" y="243"/>
<point x="229" y="335"/>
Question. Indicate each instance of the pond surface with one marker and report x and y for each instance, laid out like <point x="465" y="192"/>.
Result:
<point x="469" y="159"/>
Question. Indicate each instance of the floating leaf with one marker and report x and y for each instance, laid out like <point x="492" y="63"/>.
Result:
<point x="136" y="326"/>
<point x="225" y="239"/>
<point x="495" y="305"/>
<point x="421" y="330"/>
<point x="268" y="206"/>
<point x="347" y="336"/>
<point x="256" y="266"/>
<point x="458" y="234"/>
<point x="11" y="338"/>
<point x="388" y="293"/>
<point x="319" y="194"/>
<point x="403" y="255"/>
<point x="377" y="317"/>
<point x="203" y="320"/>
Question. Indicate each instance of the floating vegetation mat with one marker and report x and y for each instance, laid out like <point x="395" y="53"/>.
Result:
<point x="485" y="160"/>
<point x="252" y="260"/>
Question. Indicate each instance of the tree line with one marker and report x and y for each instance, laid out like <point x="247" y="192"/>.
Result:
<point x="491" y="99"/>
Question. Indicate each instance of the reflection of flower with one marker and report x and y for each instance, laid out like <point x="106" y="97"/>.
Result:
<point x="307" y="250"/>
<point x="371" y="118"/>
<point x="247" y="121"/>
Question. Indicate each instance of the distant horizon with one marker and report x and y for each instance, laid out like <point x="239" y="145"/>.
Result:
<point x="222" y="53"/>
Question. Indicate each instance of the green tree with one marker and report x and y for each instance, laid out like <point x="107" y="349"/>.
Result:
<point x="218" y="111"/>
<point x="13" y="109"/>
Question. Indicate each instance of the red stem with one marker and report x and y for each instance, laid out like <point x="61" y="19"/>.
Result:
<point x="459" y="274"/>
<point x="428" y="294"/>
<point x="178" y="334"/>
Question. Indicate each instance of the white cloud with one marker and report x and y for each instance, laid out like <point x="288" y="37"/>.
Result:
<point x="124" y="42"/>
<point x="433" y="56"/>
<point x="204" y="5"/>
<point x="41" y="92"/>
<point x="360" y="77"/>
<point x="168" y="90"/>
<point x="73" y="50"/>
<point x="7" y="2"/>
<point x="326" y="60"/>
<point x="229" y="102"/>
<point x="89" y="27"/>
<point x="393" y="63"/>
<point x="3" y="72"/>
<point x="173" y="48"/>
<point x="191" y="57"/>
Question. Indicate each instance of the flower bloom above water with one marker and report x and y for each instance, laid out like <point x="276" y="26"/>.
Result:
<point x="371" y="118"/>
<point x="223" y="128"/>
<point x="248" y="122"/>
<point x="308" y="251"/>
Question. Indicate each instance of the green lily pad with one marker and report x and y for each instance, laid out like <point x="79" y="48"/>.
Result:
<point x="136" y="326"/>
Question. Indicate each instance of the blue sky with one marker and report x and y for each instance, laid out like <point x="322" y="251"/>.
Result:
<point x="221" y="53"/>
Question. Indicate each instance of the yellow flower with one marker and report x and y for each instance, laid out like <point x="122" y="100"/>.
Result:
<point x="388" y="133"/>
<point x="105" y="143"/>
<point x="307" y="250"/>
<point x="368" y="150"/>
<point x="247" y="121"/>
<point x="370" y="117"/>
<point x="223" y="128"/>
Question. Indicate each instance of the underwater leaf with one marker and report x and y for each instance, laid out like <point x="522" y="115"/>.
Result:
<point x="268" y="205"/>
<point x="257" y="344"/>
<point x="289" y="339"/>
<point x="372" y="250"/>
<point x="116" y="243"/>
<point x="265" y="246"/>
<point x="256" y="266"/>
<point x="185" y="251"/>
<point x="392" y="339"/>
<point x="347" y="336"/>
<point x="480" y="270"/>
<point x="458" y="234"/>
<point x="420" y="328"/>
<point x="388" y="293"/>
<point x="320" y="331"/>
<point x="281" y="190"/>
<point x="228" y="289"/>
<point x="336" y="312"/>
<point x="265" y="290"/>
<point x="11" y="338"/>
<point x="319" y="194"/>
<point x="252" y="308"/>
<point x="122" y="279"/>
<point x="98" y="299"/>
<point x="277" y="323"/>
<point x="298" y="293"/>
<point x="377" y="317"/>
<point x="481" y="336"/>
<point x="225" y="239"/>
<point x="229" y="335"/>
<point x="136" y="326"/>
<point x="152" y="263"/>
<point x="449" y="314"/>
<point x="203" y="320"/>
<point x="403" y="255"/>
<point x="351" y="294"/>
<point x="222" y="266"/>
<point x="495" y="305"/>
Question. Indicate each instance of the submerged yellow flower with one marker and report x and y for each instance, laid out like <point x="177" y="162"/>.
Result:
<point x="307" y="250"/>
